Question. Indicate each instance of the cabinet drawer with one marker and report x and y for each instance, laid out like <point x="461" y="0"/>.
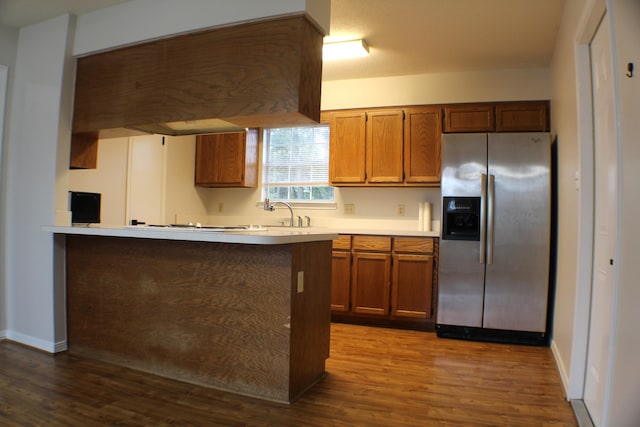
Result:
<point x="371" y="243"/>
<point x="413" y="244"/>
<point x="342" y="242"/>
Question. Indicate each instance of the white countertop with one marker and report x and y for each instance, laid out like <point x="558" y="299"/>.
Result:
<point x="259" y="236"/>
<point x="270" y="236"/>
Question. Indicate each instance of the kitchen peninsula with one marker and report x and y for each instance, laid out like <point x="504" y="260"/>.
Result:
<point x="243" y="311"/>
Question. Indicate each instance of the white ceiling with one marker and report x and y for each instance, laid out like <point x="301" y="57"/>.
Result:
<point x="405" y="36"/>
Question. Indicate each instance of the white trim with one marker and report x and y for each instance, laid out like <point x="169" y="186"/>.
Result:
<point x="4" y="71"/>
<point x="3" y="334"/>
<point x="61" y="346"/>
<point x="584" y="266"/>
<point x="564" y="376"/>
<point x="40" y="344"/>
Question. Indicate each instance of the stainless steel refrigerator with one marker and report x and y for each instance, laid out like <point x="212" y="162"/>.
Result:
<point x="493" y="277"/>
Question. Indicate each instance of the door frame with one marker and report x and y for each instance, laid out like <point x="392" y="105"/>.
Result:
<point x="4" y="71"/>
<point x="585" y="179"/>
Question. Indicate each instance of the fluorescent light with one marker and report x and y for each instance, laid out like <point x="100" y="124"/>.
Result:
<point x="345" y="50"/>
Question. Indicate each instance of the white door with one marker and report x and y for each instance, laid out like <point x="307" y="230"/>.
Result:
<point x="605" y="226"/>
<point x="146" y="179"/>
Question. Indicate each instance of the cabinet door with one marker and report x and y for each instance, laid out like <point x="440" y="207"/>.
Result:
<point x="347" y="147"/>
<point x="469" y="118"/>
<point x="522" y="117"/>
<point x="371" y="274"/>
<point x="84" y="151"/>
<point x="340" y="281"/>
<point x="422" y="132"/>
<point x="226" y="160"/>
<point x="412" y="286"/>
<point x="385" y="146"/>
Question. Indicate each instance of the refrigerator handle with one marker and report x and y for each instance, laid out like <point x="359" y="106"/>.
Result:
<point x="483" y="218"/>
<point x="490" y="218"/>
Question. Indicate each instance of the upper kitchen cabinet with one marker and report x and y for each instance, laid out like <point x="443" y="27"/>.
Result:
<point x="524" y="116"/>
<point x="385" y="147"/>
<point x="257" y="74"/>
<point x="422" y="145"/>
<point x="347" y="136"/>
<point x="469" y="118"/>
<point x="227" y="159"/>
<point x="84" y="151"/>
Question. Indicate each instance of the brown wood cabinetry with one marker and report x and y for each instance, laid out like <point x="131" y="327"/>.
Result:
<point x="341" y="274"/>
<point x="370" y="276"/>
<point x="412" y="283"/>
<point x="385" y="147"/>
<point x="422" y="145"/>
<point x="384" y="280"/>
<point x="84" y="151"/>
<point x="347" y="147"/>
<point x="250" y="75"/>
<point x="524" y="116"/>
<point x="227" y="159"/>
<point x="469" y="118"/>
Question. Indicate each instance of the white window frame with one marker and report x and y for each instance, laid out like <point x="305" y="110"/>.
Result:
<point x="306" y="204"/>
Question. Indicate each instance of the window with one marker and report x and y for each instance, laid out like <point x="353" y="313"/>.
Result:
<point x="295" y="164"/>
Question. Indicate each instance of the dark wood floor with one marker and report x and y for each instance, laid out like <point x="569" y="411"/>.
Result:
<point x="376" y="377"/>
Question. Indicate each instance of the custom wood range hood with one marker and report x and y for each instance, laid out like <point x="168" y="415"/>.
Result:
<point x="256" y="74"/>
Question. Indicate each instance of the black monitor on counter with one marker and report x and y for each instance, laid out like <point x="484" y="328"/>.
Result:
<point x="84" y="207"/>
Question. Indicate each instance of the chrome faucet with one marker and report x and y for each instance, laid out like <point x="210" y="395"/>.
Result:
<point x="272" y="207"/>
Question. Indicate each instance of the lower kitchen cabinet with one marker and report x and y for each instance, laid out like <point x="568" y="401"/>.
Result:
<point x="370" y="280"/>
<point x="385" y="280"/>
<point x="412" y="286"/>
<point x="340" y="281"/>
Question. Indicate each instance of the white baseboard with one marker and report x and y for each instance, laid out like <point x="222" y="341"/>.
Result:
<point x="3" y="334"/>
<point x="564" y="377"/>
<point x="40" y="344"/>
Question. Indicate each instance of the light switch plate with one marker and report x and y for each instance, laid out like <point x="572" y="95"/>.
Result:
<point x="300" y="281"/>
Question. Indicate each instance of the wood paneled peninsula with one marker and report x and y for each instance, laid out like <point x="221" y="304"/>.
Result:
<point x="246" y="311"/>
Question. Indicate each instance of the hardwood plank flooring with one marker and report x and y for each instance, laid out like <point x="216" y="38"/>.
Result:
<point x="376" y="377"/>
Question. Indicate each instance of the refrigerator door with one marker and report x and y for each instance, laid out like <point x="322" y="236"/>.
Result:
<point x="460" y="273"/>
<point x="517" y="280"/>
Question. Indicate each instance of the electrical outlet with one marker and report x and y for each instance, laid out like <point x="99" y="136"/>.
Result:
<point x="300" y="281"/>
<point x="349" y="209"/>
<point x="220" y="207"/>
<point x="400" y="210"/>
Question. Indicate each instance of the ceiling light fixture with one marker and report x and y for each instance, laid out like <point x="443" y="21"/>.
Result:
<point x="345" y="50"/>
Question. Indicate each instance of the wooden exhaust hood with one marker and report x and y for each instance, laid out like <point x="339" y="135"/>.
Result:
<point x="257" y="74"/>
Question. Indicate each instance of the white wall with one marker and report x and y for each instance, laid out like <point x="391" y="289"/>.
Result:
<point x="36" y="114"/>
<point x="473" y="86"/>
<point x="8" y="46"/>
<point x="109" y="179"/>
<point x="132" y="19"/>
<point x="184" y="202"/>
<point x="564" y="122"/>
